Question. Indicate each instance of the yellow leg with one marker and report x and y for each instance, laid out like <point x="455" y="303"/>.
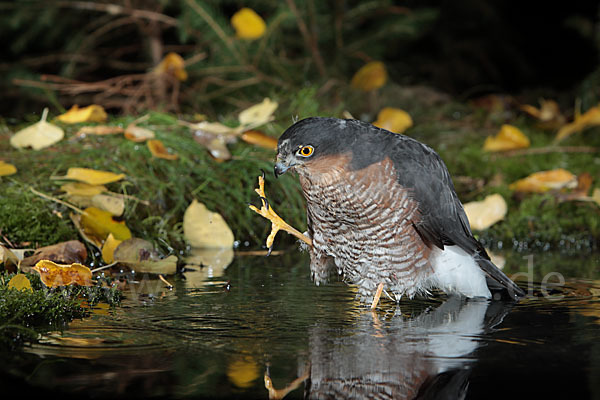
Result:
<point x="277" y="223"/>
<point x="377" y="296"/>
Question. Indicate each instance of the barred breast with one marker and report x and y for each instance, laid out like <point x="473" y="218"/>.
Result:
<point x="363" y="220"/>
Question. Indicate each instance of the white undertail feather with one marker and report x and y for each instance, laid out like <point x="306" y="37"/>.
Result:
<point x="457" y="272"/>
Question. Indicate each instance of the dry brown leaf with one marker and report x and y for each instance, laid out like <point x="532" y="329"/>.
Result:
<point x="158" y="149"/>
<point x="393" y="119"/>
<point x="7" y="257"/>
<point x="91" y="113"/>
<point x="38" y="136"/>
<point x="259" y="139"/>
<point x="508" y="138"/>
<point x="72" y="251"/>
<point x="54" y="275"/>
<point x="205" y="229"/>
<point x="140" y="255"/>
<point x="543" y="181"/>
<point x="485" y="213"/>
<point x="370" y="76"/>
<point x="138" y="134"/>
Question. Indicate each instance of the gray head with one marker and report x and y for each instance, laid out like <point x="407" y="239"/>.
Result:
<point x="313" y="138"/>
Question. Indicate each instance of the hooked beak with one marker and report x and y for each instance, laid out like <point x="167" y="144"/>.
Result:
<point x="280" y="169"/>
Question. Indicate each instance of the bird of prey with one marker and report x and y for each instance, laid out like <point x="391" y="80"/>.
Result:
<point x="382" y="211"/>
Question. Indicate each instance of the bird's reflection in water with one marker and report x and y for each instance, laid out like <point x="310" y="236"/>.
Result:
<point x="424" y="357"/>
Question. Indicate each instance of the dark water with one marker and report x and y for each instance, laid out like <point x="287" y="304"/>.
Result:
<point x="218" y="332"/>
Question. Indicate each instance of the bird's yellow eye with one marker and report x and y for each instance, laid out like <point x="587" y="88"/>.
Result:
<point x="306" y="151"/>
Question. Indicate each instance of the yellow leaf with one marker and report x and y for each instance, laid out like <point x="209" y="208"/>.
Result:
<point x="92" y="176"/>
<point x="370" y="76"/>
<point x="7" y="257"/>
<point x="258" y="114"/>
<point x="99" y="130"/>
<point x="582" y="121"/>
<point x="508" y="138"/>
<point x="543" y="181"/>
<point x="7" y="169"/>
<point x="114" y="204"/>
<point x="140" y="255"/>
<point x="243" y="372"/>
<point x="248" y="24"/>
<point x="108" y="249"/>
<point x="100" y="223"/>
<point x="260" y="139"/>
<point x="158" y="149"/>
<point x="92" y="113"/>
<point x="54" y="275"/>
<point x="205" y="229"/>
<point x="172" y="64"/>
<point x="138" y="134"/>
<point x="20" y="282"/>
<point x="596" y="196"/>
<point x="485" y="213"/>
<point x="393" y="119"/>
<point x="38" y="136"/>
<point x="82" y="189"/>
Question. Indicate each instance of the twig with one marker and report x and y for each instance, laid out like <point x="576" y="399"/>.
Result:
<point x="310" y="40"/>
<point x="104" y="267"/>
<point x="116" y="9"/>
<point x="64" y="203"/>
<point x="162" y="278"/>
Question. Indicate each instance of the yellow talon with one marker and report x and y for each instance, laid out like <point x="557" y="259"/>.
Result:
<point x="277" y="223"/>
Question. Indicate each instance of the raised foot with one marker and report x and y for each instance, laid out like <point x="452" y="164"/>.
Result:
<point x="277" y="223"/>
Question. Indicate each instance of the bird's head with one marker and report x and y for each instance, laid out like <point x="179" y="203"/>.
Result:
<point x="310" y="140"/>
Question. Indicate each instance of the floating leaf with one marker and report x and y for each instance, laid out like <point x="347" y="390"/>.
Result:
<point x="370" y="76"/>
<point x="172" y="64"/>
<point x="7" y="169"/>
<point x="158" y="149"/>
<point x="92" y="176"/>
<point x="248" y="24"/>
<point x="205" y="229"/>
<point x="582" y="121"/>
<point x="140" y="255"/>
<point x="543" y="181"/>
<point x="91" y="113"/>
<point x="99" y="130"/>
<point x="108" y="248"/>
<point x="100" y="223"/>
<point x="82" y="189"/>
<point x="39" y="135"/>
<point x="138" y="134"/>
<point x="258" y="114"/>
<point x="259" y="139"/>
<point x="485" y="213"/>
<point x="393" y="119"/>
<point x="72" y="251"/>
<point x="508" y="138"/>
<point x="20" y="282"/>
<point x="54" y="275"/>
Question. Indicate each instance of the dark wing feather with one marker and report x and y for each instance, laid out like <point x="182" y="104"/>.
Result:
<point x="443" y="221"/>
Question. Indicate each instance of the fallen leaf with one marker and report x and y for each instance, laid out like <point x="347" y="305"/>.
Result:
<point x="485" y="213"/>
<point x="581" y="121"/>
<point x="370" y="76"/>
<point x="259" y="139"/>
<point x="7" y="257"/>
<point x="7" y="169"/>
<point x="91" y="113"/>
<point x="508" y="138"/>
<point x="100" y="223"/>
<point x="54" y="275"/>
<point x="543" y="181"/>
<point x="158" y="149"/>
<point x="91" y="239"/>
<point x="172" y="64"/>
<point x="39" y="135"/>
<point x="20" y="282"/>
<point x="92" y="176"/>
<point x="114" y="204"/>
<point x="215" y="144"/>
<point x="248" y="24"/>
<point x="99" y="130"/>
<point x="140" y="255"/>
<point x="393" y="119"/>
<point x="205" y="229"/>
<point x="71" y="251"/>
<point x="108" y="248"/>
<point x="596" y="196"/>
<point x="82" y="189"/>
<point x="258" y="114"/>
<point x="548" y="114"/>
<point x="138" y="134"/>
